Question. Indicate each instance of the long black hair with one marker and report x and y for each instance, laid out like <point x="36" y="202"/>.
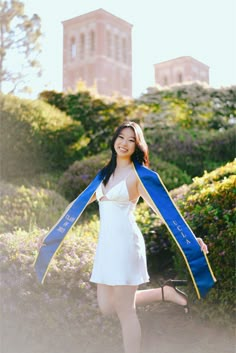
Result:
<point x="140" y="154"/>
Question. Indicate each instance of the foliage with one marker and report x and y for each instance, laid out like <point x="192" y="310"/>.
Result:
<point x="208" y="206"/>
<point x="36" y="137"/>
<point x="193" y="151"/>
<point x="190" y="106"/>
<point x="210" y="209"/>
<point x="189" y="126"/>
<point x="98" y="117"/>
<point x="65" y="303"/>
<point x="80" y="174"/>
<point x="19" y="39"/>
<point x="171" y="175"/>
<point x="26" y="207"/>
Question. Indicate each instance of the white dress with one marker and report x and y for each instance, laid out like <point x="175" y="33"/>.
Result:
<point x="120" y="257"/>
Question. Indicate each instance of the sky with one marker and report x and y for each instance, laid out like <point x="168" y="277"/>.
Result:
<point x="162" y="30"/>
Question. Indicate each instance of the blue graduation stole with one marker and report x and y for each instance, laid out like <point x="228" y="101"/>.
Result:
<point x="162" y="204"/>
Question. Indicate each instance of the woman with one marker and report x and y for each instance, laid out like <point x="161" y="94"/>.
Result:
<point x="120" y="262"/>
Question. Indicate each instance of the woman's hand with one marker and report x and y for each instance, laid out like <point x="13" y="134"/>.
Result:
<point x="40" y="241"/>
<point x="203" y="245"/>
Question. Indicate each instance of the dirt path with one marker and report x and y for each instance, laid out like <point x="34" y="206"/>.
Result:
<point x="169" y="330"/>
<point x="166" y="329"/>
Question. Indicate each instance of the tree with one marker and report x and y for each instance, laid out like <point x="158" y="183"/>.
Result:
<point x="19" y="45"/>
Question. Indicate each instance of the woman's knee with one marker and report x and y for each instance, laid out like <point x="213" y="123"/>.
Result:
<point x="125" y="313"/>
<point x="105" y="299"/>
<point x="105" y="308"/>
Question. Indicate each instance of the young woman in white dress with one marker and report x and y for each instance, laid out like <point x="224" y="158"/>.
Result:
<point x="120" y="261"/>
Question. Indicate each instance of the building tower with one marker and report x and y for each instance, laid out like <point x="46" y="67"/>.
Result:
<point x="181" y="70"/>
<point x="97" y="49"/>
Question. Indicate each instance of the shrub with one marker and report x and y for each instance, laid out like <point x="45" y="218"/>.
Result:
<point x="81" y="173"/>
<point x="24" y="207"/>
<point x="208" y="206"/>
<point x="63" y="311"/>
<point x="193" y="151"/>
<point x="171" y="175"/>
<point x="191" y="106"/>
<point x="36" y="137"/>
<point x="98" y="116"/>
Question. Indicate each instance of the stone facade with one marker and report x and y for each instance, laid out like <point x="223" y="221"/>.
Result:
<point x="181" y="70"/>
<point x="97" y="49"/>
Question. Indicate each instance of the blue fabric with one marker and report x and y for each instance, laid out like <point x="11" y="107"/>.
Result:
<point x="196" y="261"/>
<point x="56" y="235"/>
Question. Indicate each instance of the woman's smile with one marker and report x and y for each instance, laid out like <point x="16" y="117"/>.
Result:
<point x="125" y="142"/>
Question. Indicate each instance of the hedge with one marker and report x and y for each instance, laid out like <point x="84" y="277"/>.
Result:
<point x="60" y="316"/>
<point x="26" y="207"/>
<point x="193" y="151"/>
<point x="36" y="137"/>
<point x="208" y="205"/>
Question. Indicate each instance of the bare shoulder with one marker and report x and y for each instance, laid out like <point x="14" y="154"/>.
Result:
<point x="132" y="178"/>
<point x="132" y="184"/>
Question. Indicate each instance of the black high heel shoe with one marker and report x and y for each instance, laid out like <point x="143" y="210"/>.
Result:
<point x="173" y="283"/>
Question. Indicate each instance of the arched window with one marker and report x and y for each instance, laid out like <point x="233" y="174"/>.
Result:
<point x="117" y="48"/>
<point x="165" y="80"/>
<point x="82" y="45"/>
<point x="109" y="44"/>
<point x="180" y="77"/>
<point x="92" y="42"/>
<point x="72" y="48"/>
<point x="124" y="50"/>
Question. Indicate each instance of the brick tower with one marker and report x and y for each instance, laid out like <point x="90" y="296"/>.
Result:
<point x="180" y="70"/>
<point x="97" y="49"/>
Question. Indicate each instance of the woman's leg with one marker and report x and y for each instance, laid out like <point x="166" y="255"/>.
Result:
<point x="105" y="299"/>
<point x="124" y="304"/>
<point x="148" y="296"/>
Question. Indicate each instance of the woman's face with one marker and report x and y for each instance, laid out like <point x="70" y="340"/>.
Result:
<point x="125" y="143"/>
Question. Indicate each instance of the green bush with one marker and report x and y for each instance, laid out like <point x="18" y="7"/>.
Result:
<point x="25" y="207"/>
<point x="81" y="173"/>
<point x="190" y="106"/>
<point x="98" y="116"/>
<point x="171" y="175"/>
<point x="62" y="311"/>
<point x="208" y="206"/>
<point x="193" y="151"/>
<point x="36" y="137"/>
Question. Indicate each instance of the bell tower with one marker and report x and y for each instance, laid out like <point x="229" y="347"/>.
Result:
<point x="97" y="49"/>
